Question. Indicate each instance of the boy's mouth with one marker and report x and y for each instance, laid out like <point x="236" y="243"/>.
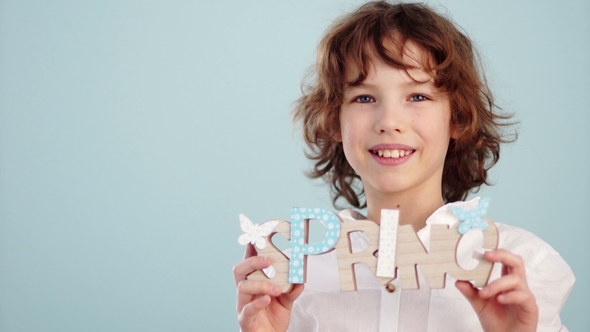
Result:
<point x="394" y="153"/>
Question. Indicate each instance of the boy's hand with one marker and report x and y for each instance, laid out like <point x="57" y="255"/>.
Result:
<point x="506" y="304"/>
<point x="260" y="305"/>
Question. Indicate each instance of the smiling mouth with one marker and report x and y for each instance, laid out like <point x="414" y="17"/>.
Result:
<point x="396" y="153"/>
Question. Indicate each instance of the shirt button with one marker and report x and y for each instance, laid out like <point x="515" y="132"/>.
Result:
<point x="390" y="287"/>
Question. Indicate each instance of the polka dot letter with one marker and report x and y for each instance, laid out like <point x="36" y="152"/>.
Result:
<point x="299" y="219"/>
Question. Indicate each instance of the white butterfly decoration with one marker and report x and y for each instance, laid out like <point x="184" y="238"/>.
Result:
<point x="255" y="233"/>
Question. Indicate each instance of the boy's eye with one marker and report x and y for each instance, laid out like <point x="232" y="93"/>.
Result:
<point x="418" y="98"/>
<point x="364" y="99"/>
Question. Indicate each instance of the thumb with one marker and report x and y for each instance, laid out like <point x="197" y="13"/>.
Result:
<point x="471" y="294"/>
<point x="287" y="299"/>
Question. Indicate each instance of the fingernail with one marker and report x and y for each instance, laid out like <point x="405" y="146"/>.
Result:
<point x="264" y="300"/>
<point x="484" y="291"/>
<point x="264" y="259"/>
<point x="275" y="290"/>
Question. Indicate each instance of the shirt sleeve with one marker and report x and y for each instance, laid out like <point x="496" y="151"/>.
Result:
<point x="551" y="280"/>
<point x="548" y="275"/>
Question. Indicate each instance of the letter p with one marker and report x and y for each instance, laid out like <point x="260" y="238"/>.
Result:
<point x="299" y="248"/>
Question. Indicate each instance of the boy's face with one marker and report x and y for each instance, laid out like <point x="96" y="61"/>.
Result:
<point x="395" y="129"/>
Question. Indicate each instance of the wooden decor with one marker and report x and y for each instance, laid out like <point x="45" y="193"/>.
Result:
<point x="393" y="251"/>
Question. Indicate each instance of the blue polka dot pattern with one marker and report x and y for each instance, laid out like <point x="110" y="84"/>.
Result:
<point x="298" y="246"/>
<point x="472" y="218"/>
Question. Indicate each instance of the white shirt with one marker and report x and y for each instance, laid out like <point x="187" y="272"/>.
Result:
<point x="322" y="307"/>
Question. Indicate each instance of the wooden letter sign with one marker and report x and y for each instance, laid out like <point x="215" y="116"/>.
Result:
<point x="399" y="250"/>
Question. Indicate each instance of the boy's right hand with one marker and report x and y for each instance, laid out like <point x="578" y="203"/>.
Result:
<point x="260" y="305"/>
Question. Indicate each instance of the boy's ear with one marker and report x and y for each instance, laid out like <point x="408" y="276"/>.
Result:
<point x="337" y="136"/>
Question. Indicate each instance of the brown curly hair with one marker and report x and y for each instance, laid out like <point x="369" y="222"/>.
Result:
<point x="348" y="46"/>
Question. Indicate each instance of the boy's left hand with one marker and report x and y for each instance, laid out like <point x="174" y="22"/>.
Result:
<point x="506" y="304"/>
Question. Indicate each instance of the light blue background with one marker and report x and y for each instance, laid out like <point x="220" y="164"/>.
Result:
<point x="132" y="133"/>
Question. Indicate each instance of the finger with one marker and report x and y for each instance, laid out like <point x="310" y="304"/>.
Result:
<point x="507" y="283"/>
<point x="287" y="299"/>
<point x="513" y="264"/>
<point x="249" y="265"/>
<point x="247" y="317"/>
<point x="250" y="251"/>
<point x="528" y="311"/>
<point x="249" y="289"/>
<point x="257" y="287"/>
<point x="467" y="289"/>
<point x="526" y="300"/>
<point x="471" y="294"/>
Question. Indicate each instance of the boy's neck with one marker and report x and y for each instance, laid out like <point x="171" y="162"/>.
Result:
<point x="413" y="211"/>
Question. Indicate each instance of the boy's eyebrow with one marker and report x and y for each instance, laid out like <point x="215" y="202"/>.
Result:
<point x="359" y="85"/>
<point x="411" y="83"/>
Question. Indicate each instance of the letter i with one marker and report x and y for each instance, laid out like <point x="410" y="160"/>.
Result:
<point x="387" y="243"/>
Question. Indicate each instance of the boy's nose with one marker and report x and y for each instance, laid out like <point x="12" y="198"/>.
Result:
<point x="390" y="118"/>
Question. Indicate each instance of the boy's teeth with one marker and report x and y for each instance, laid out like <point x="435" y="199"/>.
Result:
<point x="393" y="153"/>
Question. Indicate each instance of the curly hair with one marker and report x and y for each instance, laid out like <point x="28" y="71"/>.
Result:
<point x="348" y="47"/>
